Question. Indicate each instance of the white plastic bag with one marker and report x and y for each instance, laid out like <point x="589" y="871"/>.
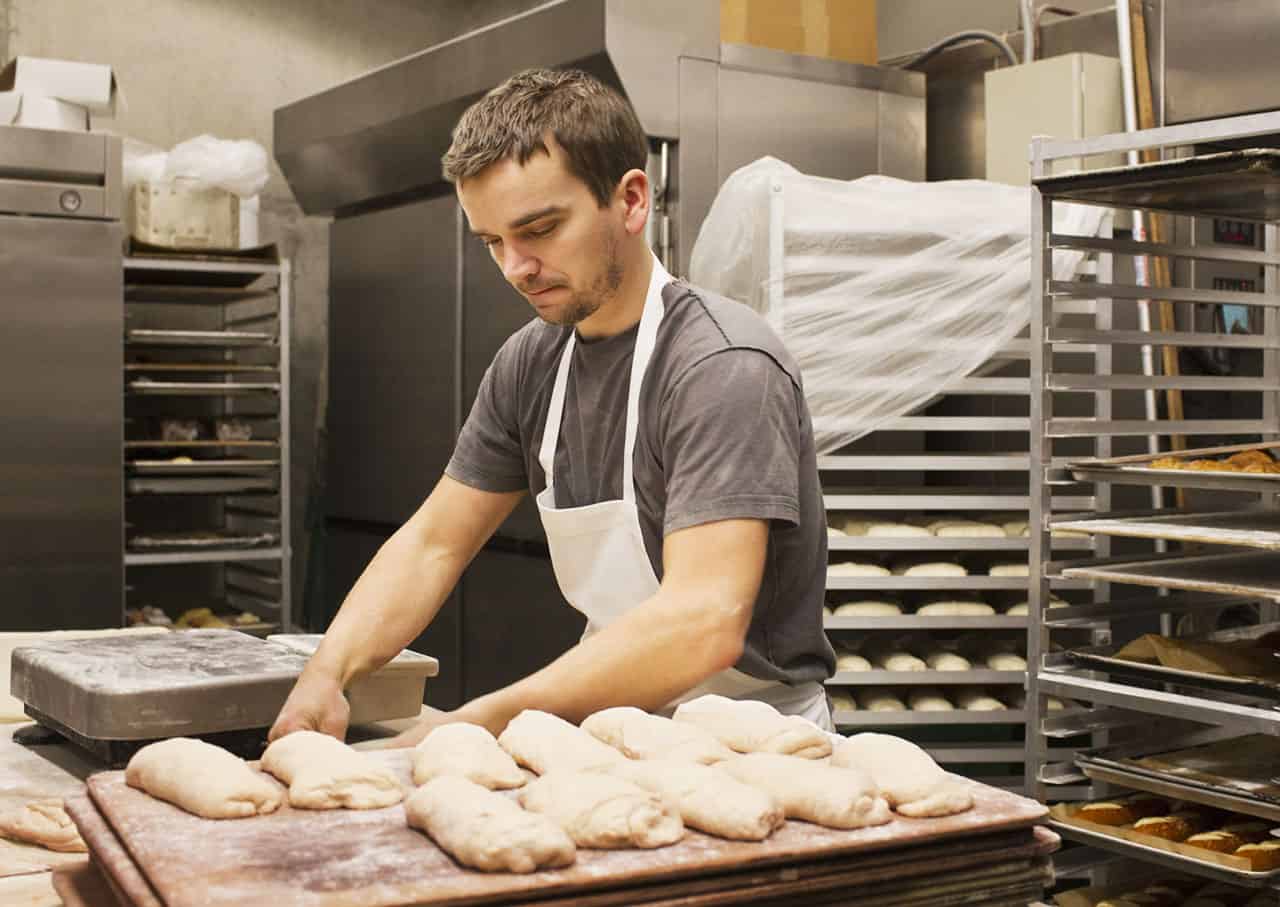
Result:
<point x="143" y="163"/>
<point x="886" y="291"/>
<point x="238" y="166"/>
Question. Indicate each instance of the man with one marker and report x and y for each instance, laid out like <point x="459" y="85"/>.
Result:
<point x="663" y="431"/>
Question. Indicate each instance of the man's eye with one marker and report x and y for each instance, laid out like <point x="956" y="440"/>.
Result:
<point x="490" y="242"/>
<point x="540" y="232"/>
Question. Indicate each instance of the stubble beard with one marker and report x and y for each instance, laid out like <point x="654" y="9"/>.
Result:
<point x="583" y="304"/>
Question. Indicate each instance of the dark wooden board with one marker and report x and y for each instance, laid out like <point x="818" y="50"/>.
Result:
<point x="301" y="858"/>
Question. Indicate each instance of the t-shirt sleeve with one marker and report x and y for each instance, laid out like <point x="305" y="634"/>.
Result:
<point x="731" y="442"/>
<point x="489" y="455"/>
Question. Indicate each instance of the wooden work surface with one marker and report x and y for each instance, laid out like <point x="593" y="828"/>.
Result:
<point x="301" y="858"/>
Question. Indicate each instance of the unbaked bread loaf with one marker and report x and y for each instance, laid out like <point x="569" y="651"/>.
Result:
<point x="851" y="661"/>
<point x="834" y="533"/>
<point x="1024" y="608"/>
<point x="927" y="700"/>
<point x="1017" y="529"/>
<point x="970" y="529"/>
<point x="854" y="568"/>
<point x="947" y="661"/>
<point x="979" y="701"/>
<point x="873" y="700"/>
<point x="898" y="661"/>
<point x="842" y="701"/>
<point x="930" y="568"/>
<point x="955" y="609"/>
<point x="867" y="609"/>
<point x="1009" y="569"/>
<point x="1006" y="661"/>
<point x="897" y="530"/>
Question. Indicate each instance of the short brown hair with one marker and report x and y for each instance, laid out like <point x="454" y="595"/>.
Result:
<point x="601" y="135"/>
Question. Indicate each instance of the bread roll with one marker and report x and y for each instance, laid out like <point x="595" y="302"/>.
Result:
<point x="898" y="661"/>
<point x="930" y="568"/>
<point x="1009" y="570"/>
<point x="897" y="530"/>
<point x="947" y="661"/>
<point x="978" y="701"/>
<point x="955" y="609"/>
<point x="879" y="701"/>
<point x="867" y="609"/>
<point x="970" y="529"/>
<point x="843" y="702"/>
<point x="853" y="568"/>
<point x="926" y="700"/>
<point x="1006" y="661"/>
<point x="851" y="661"/>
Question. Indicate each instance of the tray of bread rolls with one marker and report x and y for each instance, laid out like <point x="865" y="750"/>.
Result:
<point x="1245" y="661"/>
<point x="1239" y="773"/>
<point x="1164" y="889"/>
<point x="1235" y="467"/>
<point x="1231" y="847"/>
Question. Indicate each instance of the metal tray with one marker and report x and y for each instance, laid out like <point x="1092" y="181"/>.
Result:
<point x="1101" y="658"/>
<point x="1252" y="574"/>
<point x="198" y="541"/>
<point x="1130" y="470"/>
<point x="1244" y="528"/>
<point x="200" y="485"/>
<point x="200" y="467"/>
<point x="1099" y="768"/>
<point x="146" y="336"/>
<point x="201" y="388"/>
<point x="1243" y="185"/>
<point x="1166" y="858"/>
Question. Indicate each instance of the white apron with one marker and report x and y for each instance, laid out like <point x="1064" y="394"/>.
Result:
<point x="598" y="550"/>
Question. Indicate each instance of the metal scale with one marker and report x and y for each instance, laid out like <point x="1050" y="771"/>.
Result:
<point x="113" y="695"/>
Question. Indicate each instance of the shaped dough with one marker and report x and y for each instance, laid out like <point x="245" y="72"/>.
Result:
<point x="898" y="661"/>
<point x="324" y="773"/>
<point x="823" y="794"/>
<point x="955" y="609"/>
<point x="856" y="526"/>
<point x="852" y="568"/>
<point x="202" y="779"/>
<point x="970" y="529"/>
<point x="1009" y="570"/>
<point x="932" y="568"/>
<point x="467" y="751"/>
<point x="602" y="811"/>
<point x="947" y="661"/>
<point x="978" y="701"/>
<point x="543" y="742"/>
<point x="834" y="533"/>
<point x="484" y="830"/>
<point x="897" y="531"/>
<point x="1006" y="661"/>
<point x="1017" y="529"/>
<point x="44" y="823"/>
<point x="880" y="701"/>
<point x="851" y="661"/>
<point x="751" y="726"/>
<point x="842" y="702"/>
<point x="708" y="799"/>
<point x="929" y="701"/>
<point x="637" y="734"/>
<point x="867" y="609"/>
<point x="906" y="775"/>
<point x="1023" y="608"/>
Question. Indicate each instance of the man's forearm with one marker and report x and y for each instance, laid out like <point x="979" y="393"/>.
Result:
<point x="395" y="598"/>
<point x="647" y="658"/>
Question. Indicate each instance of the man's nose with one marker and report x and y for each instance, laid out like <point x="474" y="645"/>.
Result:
<point x="518" y="267"/>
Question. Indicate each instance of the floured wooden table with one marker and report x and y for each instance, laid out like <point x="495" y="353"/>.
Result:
<point x="27" y="774"/>
<point x="156" y="854"/>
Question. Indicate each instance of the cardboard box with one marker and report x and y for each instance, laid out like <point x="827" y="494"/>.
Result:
<point x="90" y="85"/>
<point x="838" y="29"/>
<point x="183" y="215"/>
<point x="36" y="112"/>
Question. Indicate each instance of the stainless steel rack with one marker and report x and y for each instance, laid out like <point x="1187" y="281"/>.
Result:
<point x="1207" y="556"/>
<point x="207" y="340"/>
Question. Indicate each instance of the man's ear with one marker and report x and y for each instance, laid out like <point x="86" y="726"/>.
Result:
<point x="633" y="196"/>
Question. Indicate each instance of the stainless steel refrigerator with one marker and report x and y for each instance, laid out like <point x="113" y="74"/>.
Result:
<point x="61" y="361"/>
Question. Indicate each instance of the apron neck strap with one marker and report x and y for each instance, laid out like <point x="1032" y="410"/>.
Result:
<point x="646" y="340"/>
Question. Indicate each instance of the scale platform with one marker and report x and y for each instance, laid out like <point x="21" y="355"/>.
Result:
<point x="113" y="695"/>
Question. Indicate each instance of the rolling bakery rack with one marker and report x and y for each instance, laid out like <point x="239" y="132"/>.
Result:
<point x="1219" y="548"/>
<point x="207" y="436"/>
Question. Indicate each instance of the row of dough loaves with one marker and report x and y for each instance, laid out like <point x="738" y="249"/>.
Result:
<point x="960" y="607"/>
<point x="951" y="526"/>
<point x="926" y="699"/>
<point x="921" y="568"/>
<point x="624" y="779"/>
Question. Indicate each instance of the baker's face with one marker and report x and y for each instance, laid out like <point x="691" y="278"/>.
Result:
<point x="544" y="229"/>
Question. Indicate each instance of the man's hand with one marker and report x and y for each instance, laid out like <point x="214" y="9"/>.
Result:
<point x="316" y="704"/>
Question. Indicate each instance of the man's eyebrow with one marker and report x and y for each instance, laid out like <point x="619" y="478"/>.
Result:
<point x="525" y="219"/>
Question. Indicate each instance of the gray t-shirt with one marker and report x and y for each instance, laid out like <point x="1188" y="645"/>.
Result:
<point x="724" y="434"/>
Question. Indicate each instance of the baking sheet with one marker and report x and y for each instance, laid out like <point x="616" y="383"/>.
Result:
<point x="1224" y="867"/>
<point x="1244" y="528"/>
<point x="199" y="541"/>
<point x="1132" y="469"/>
<point x="200" y="484"/>
<point x="1246" y="768"/>
<point x="199" y="338"/>
<point x="200" y="467"/>
<point x="1102" y="658"/>
<point x="1251" y="574"/>
<point x="201" y="388"/>
<point x="1104" y="770"/>
<point x="1241" y="185"/>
